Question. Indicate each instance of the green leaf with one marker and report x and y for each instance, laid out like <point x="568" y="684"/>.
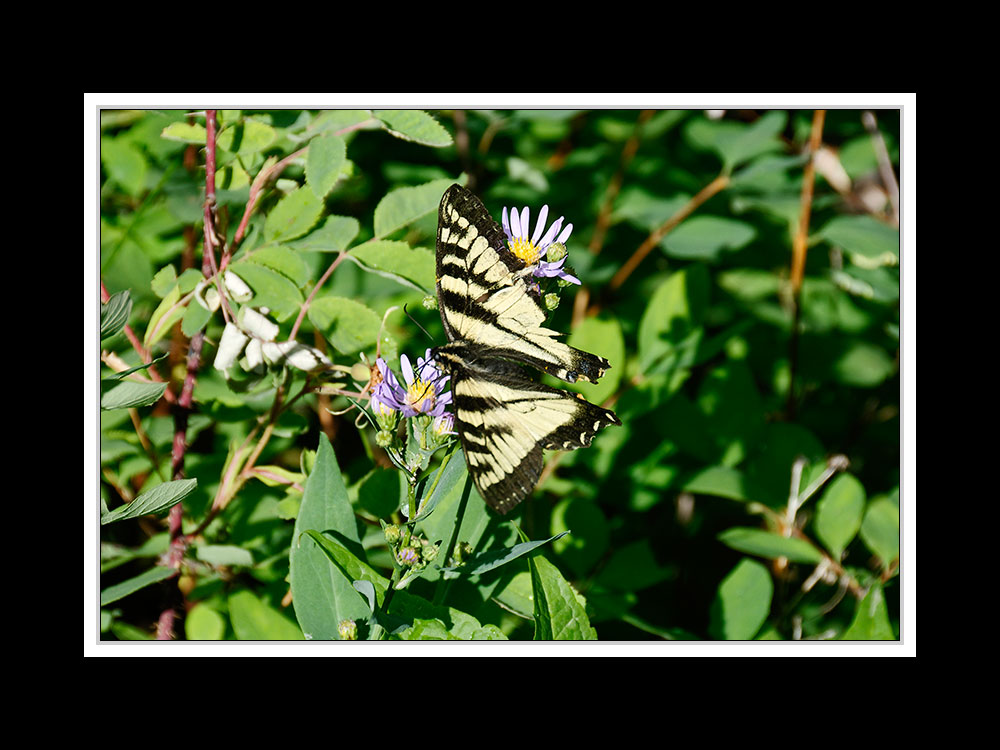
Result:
<point x="839" y="513"/>
<point x="880" y="530"/>
<point x="321" y="593"/>
<point x="632" y="567"/>
<point x="414" y="125"/>
<point x="270" y="289"/>
<point x="673" y="317"/>
<point x="325" y="163"/>
<point x="114" y="313"/>
<point x="720" y="481"/>
<point x="128" y="394"/>
<point x="332" y="236"/>
<point x="285" y="261"/>
<point x="742" y="602"/>
<point x="195" y="318"/>
<point x="224" y="554"/>
<point x="602" y="335"/>
<point x="348" y="325"/>
<point x="706" y="237"/>
<point x="246" y="137"/>
<point x="120" y="590"/>
<point x="125" y="164"/>
<point x="591" y="536"/>
<point x="765" y="544"/>
<point x="294" y="215"/>
<point x="348" y="564"/>
<point x="411" y="266"/>
<point x="202" y="623"/>
<point x="871" y="619"/>
<point x="186" y="132"/>
<point x="487" y="561"/>
<point x="168" y="312"/>
<point x="863" y="365"/>
<point x="865" y="236"/>
<point x="559" y="611"/>
<point x="407" y="204"/>
<point x="157" y="500"/>
<point x="381" y="492"/>
<point x="737" y="142"/>
<point x="254" y="620"/>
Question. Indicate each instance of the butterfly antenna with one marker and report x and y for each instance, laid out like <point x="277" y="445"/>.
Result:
<point x="417" y="324"/>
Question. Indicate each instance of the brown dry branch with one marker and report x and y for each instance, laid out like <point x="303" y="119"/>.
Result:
<point x="716" y="186"/>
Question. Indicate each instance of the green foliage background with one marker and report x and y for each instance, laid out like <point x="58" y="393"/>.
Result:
<point x="674" y="526"/>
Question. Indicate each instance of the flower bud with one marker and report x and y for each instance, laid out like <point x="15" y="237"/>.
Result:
<point x="557" y="251"/>
<point x="348" y="630"/>
<point x="383" y="438"/>
<point x="392" y="533"/>
<point x="551" y="301"/>
<point x="430" y="302"/>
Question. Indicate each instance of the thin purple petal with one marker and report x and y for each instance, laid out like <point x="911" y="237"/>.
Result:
<point x="404" y="364"/>
<point x="540" y="226"/>
<point x="565" y="234"/>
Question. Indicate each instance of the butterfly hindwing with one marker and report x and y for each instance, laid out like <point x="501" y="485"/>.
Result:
<point x="504" y="421"/>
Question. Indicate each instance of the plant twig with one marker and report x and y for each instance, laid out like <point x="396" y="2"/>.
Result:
<point x="799" y="248"/>
<point x="885" y="170"/>
<point x="717" y="185"/>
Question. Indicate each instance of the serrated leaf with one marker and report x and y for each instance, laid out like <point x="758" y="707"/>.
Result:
<point x="128" y="394"/>
<point x="765" y="544"/>
<point x="412" y="266"/>
<point x="839" y="513"/>
<point x="195" y="318"/>
<point x="294" y="215"/>
<point x="120" y="590"/>
<point x="283" y="260"/>
<point x="185" y="132"/>
<point x="160" y="498"/>
<point x="332" y="236"/>
<point x="407" y="204"/>
<point x="115" y="313"/>
<point x="322" y="594"/>
<point x="742" y="602"/>
<point x="414" y="125"/>
<point x="325" y="163"/>
<point x="348" y="325"/>
<point x="270" y="289"/>
<point x="559" y="613"/>
<point x="254" y="620"/>
<point x="246" y="137"/>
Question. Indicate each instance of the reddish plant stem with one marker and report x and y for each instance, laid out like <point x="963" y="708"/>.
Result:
<point x="182" y="410"/>
<point x="312" y="294"/>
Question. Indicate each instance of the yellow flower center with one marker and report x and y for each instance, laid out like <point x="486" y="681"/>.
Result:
<point x="525" y="250"/>
<point x="420" y="395"/>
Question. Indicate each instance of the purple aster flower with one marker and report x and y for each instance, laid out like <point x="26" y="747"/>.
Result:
<point x="386" y="394"/>
<point x="533" y="248"/>
<point x="422" y="393"/>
